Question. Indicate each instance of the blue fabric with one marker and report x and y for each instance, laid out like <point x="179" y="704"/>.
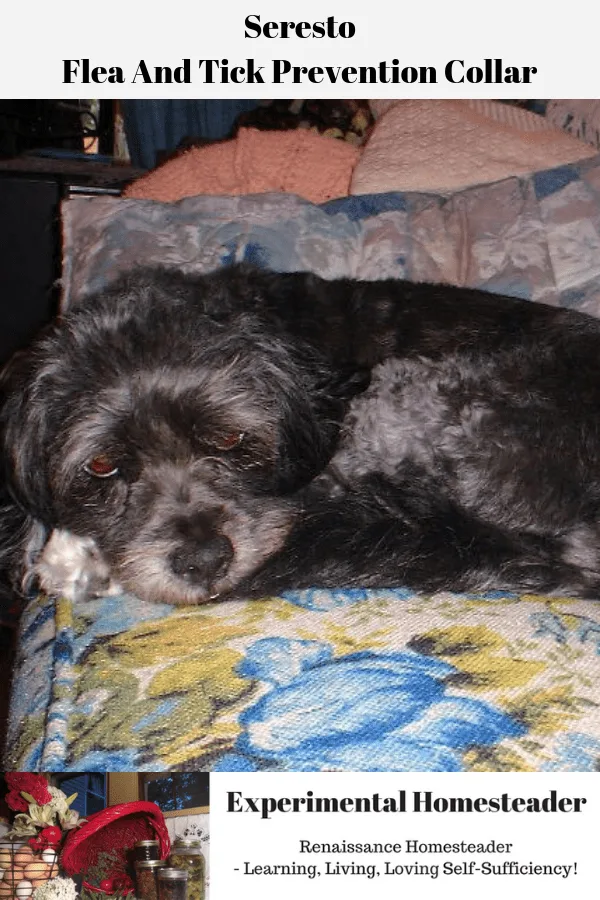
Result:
<point x="554" y="180"/>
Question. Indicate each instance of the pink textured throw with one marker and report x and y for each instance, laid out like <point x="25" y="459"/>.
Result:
<point x="299" y="162"/>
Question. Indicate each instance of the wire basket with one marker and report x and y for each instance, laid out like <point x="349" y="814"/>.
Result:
<point x="24" y="869"/>
<point x="114" y="830"/>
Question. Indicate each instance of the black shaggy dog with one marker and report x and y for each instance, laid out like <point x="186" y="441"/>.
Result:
<point x="244" y="432"/>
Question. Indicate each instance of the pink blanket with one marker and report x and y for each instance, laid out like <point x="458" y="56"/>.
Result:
<point x="298" y="162"/>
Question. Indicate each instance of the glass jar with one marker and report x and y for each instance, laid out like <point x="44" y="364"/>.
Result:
<point x="186" y="853"/>
<point x="146" y="881"/>
<point x="172" y="884"/>
<point x="147" y="850"/>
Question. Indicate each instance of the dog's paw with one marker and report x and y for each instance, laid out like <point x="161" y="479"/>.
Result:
<point x="72" y="567"/>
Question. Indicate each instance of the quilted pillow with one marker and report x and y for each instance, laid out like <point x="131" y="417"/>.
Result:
<point x="443" y="145"/>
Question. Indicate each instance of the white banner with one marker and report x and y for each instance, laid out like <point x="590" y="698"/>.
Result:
<point x="391" y="835"/>
<point x="299" y="49"/>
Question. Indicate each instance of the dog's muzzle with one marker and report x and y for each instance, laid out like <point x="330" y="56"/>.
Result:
<point x="203" y="554"/>
<point x="202" y="565"/>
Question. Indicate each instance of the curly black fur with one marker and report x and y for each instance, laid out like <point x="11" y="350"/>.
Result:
<point x="276" y="431"/>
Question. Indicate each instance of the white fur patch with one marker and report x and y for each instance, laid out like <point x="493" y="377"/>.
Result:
<point x="72" y="567"/>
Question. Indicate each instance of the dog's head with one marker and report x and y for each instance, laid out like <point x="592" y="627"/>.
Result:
<point x="173" y="438"/>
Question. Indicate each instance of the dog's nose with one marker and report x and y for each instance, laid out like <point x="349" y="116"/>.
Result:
<point x="204" y="562"/>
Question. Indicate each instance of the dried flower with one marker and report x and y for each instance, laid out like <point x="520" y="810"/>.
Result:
<point x="43" y="813"/>
<point x="48" y="837"/>
<point x="107" y="874"/>
<point x="16" y="802"/>
<point x="28" y="783"/>
<point x="56" y="889"/>
<point x="59" y="804"/>
<point x="118" y="884"/>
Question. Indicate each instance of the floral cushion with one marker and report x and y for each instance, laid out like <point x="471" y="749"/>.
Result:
<point x="316" y="680"/>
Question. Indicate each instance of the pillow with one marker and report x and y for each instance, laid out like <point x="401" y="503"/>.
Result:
<point x="443" y="145"/>
<point x="536" y="237"/>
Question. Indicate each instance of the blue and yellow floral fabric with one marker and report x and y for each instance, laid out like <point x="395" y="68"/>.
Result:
<point x="316" y="680"/>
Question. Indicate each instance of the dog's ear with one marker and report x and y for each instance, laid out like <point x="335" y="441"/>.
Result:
<point x="307" y="440"/>
<point x="21" y="540"/>
<point x="25" y="414"/>
<point x="313" y="400"/>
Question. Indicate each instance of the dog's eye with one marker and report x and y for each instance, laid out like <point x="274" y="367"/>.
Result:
<point x="101" y="467"/>
<point x="229" y="441"/>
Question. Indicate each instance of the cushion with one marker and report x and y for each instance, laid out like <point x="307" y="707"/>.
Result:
<point x="316" y="680"/>
<point x="442" y="145"/>
<point x="536" y="237"/>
